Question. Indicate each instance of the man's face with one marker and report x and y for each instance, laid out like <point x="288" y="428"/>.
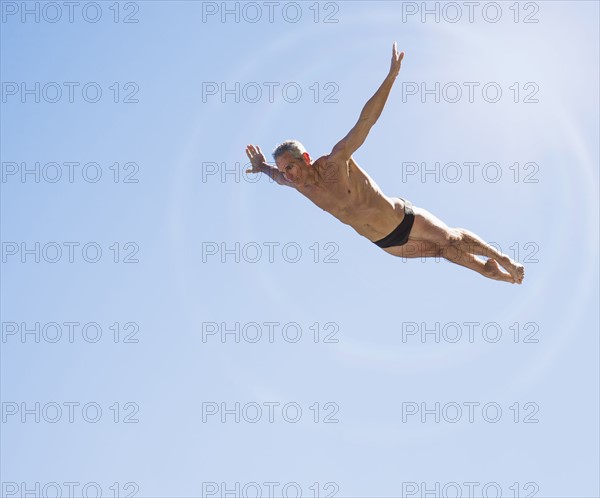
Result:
<point x="294" y="169"/>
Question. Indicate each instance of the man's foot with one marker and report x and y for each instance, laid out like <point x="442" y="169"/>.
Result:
<point x="494" y="271"/>
<point x="516" y="270"/>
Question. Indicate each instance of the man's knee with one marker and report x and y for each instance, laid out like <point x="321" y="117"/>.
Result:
<point x="454" y="237"/>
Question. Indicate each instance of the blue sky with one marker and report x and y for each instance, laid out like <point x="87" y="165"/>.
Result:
<point x="343" y="326"/>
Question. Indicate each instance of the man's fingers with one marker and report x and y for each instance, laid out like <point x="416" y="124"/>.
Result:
<point x="255" y="156"/>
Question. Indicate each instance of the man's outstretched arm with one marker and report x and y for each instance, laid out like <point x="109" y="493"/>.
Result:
<point x="259" y="165"/>
<point x="371" y="111"/>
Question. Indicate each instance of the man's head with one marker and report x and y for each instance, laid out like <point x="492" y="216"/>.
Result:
<point x="293" y="161"/>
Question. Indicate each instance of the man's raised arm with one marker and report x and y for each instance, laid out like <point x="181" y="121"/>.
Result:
<point x="371" y="111"/>
<point x="259" y="165"/>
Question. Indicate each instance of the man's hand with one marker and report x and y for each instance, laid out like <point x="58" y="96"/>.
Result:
<point x="259" y="165"/>
<point x="370" y="113"/>
<point x="257" y="158"/>
<point x="396" y="61"/>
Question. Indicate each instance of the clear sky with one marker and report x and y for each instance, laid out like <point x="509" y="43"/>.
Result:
<point x="174" y="327"/>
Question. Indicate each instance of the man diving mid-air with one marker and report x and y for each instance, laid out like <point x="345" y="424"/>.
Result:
<point x="341" y="187"/>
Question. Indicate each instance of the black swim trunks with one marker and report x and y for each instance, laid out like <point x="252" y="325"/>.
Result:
<point x="400" y="234"/>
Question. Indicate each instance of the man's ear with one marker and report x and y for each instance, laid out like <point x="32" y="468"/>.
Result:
<point x="306" y="158"/>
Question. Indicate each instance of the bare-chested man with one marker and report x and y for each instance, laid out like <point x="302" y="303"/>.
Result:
<point x="341" y="187"/>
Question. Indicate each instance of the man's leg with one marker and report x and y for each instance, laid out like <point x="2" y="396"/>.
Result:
<point x="469" y="242"/>
<point x="489" y="269"/>
<point x="424" y="249"/>
<point x="457" y="244"/>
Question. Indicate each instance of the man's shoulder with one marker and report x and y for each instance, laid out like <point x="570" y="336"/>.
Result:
<point x="330" y="160"/>
<point x="332" y="167"/>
